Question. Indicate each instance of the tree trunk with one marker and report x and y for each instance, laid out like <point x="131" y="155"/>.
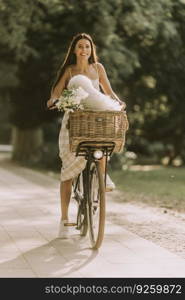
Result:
<point x="27" y="145"/>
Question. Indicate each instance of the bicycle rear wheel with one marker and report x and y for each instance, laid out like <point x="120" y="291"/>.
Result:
<point x="96" y="204"/>
<point x="82" y="207"/>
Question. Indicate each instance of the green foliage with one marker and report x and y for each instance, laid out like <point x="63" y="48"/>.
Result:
<point x="155" y="90"/>
<point x="141" y="43"/>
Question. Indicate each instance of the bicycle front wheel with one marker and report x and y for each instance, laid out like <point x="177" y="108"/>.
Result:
<point x="96" y="204"/>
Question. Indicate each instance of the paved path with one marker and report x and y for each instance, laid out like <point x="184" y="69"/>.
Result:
<point x="29" y="217"/>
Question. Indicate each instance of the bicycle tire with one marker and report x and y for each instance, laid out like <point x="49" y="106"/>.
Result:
<point x="96" y="204"/>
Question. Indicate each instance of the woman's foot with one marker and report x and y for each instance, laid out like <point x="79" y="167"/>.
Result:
<point x="63" y="230"/>
<point x="110" y="186"/>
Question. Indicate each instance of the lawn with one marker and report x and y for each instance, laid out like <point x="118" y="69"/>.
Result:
<point x="162" y="187"/>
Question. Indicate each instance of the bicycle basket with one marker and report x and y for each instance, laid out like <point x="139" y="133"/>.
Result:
<point x="97" y="126"/>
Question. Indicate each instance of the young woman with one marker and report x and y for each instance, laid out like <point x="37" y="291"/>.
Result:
<point x="80" y="59"/>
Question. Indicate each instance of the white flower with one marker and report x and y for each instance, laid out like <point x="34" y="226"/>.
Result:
<point x="71" y="99"/>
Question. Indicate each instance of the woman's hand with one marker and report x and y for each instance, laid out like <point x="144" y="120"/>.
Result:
<point x="123" y="105"/>
<point x="51" y="104"/>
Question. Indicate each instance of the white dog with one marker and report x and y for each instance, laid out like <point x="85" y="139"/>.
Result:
<point x="95" y="99"/>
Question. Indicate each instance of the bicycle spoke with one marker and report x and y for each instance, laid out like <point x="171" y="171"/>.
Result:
<point x="82" y="212"/>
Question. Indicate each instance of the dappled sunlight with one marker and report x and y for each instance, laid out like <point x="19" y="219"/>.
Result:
<point x="145" y="167"/>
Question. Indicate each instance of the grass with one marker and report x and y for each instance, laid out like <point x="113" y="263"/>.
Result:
<point x="162" y="187"/>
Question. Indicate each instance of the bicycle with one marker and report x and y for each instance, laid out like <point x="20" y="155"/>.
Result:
<point x="89" y="186"/>
<point x="89" y="191"/>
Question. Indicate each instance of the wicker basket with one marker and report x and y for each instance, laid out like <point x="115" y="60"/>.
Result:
<point x="85" y="125"/>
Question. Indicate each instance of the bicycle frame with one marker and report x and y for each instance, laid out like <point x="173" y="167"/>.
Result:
<point x="87" y="149"/>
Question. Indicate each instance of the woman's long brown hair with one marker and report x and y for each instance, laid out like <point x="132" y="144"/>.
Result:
<point x="71" y="57"/>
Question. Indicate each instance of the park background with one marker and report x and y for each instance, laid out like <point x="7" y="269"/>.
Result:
<point x="142" y="46"/>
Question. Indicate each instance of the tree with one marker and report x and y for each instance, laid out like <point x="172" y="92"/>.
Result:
<point x="155" y="90"/>
<point x="141" y="44"/>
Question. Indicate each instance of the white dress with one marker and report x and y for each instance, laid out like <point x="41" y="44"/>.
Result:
<point x="71" y="165"/>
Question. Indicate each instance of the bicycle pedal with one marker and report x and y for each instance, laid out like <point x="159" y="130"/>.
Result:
<point x="70" y="224"/>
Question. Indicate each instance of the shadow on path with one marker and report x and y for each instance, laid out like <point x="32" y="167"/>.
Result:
<point x="57" y="258"/>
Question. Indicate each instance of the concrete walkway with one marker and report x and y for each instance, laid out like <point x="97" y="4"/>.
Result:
<point x="29" y="218"/>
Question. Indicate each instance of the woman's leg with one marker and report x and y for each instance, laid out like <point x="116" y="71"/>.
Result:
<point x="110" y="186"/>
<point x="65" y="195"/>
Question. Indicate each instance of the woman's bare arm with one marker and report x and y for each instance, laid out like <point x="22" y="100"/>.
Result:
<point x="57" y="91"/>
<point x="105" y="84"/>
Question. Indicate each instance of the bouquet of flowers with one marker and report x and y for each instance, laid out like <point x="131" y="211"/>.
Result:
<point x="70" y="99"/>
